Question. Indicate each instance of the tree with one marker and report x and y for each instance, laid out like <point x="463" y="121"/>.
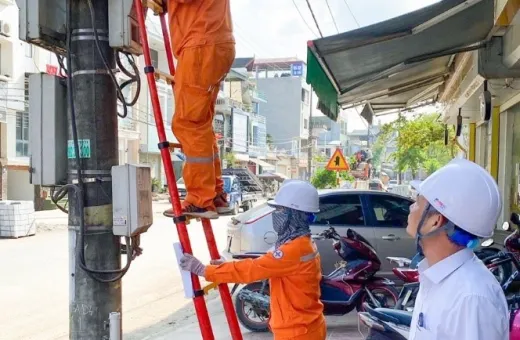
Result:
<point x="420" y="143"/>
<point x="230" y="159"/>
<point x="269" y="141"/>
<point x="323" y="179"/>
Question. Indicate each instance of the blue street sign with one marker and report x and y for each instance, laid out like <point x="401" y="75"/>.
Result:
<point x="297" y="69"/>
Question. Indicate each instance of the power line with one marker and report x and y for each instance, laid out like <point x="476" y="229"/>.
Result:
<point x="332" y="16"/>
<point x="314" y="18"/>
<point x="305" y="21"/>
<point x="352" y="13"/>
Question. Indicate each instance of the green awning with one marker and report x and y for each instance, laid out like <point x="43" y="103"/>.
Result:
<point x="397" y="63"/>
<point x="327" y="94"/>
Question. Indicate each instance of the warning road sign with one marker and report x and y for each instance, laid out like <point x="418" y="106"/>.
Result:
<point x="337" y="162"/>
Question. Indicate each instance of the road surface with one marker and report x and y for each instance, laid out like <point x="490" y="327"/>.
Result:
<point x="34" y="287"/>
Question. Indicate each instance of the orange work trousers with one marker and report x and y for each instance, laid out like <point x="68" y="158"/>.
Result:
<point x="200" y="70"/>
<point x="319" y="333"/>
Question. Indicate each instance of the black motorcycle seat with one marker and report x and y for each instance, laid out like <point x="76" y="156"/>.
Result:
<point x="396" y="316"/>
<point x="403" y="317"/>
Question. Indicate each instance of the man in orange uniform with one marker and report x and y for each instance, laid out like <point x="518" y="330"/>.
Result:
<point x="203" y="44"/>
<point x="293" y="268"/>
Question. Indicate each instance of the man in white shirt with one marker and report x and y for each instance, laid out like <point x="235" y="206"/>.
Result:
<point x="459" y="298"/>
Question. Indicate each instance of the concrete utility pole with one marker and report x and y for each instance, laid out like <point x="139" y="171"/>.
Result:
<point x="310" y="149"/>
<point x="94" y="99"/>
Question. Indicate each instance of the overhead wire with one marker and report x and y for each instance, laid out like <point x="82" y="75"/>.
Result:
<point x="332" y="16"/>
<point x="303" y="19"/>
<point x="351" y="13"/>
<point x="314" y="18"/>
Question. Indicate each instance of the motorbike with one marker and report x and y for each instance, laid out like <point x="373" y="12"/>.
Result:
<point x="352" y="285"/>
<point x="394" y="324"/>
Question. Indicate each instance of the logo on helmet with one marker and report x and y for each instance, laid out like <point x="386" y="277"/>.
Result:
<point x="439" y="204"/>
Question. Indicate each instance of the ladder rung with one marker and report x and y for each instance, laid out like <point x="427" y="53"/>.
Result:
<point x="157" y="6"/>
<point x="209" y="287"/>
<point x="174" y="146"/>
<point x="164" y="76"/>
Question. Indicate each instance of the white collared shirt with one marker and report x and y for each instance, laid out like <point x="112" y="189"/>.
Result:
<point x="459" y="299"/>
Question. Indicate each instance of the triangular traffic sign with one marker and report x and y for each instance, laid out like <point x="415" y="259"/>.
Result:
<point x="337" y="162"/>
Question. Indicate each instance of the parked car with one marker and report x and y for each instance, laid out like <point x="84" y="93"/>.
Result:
<point x="378" y="216"/>
<point x="392" y="183"/>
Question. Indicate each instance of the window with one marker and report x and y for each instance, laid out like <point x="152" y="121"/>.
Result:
<point x="155" y="58"/>
<point x="340" y="210"/>
<point x="22" y="134"/>
<point x="28" y="50"/>
<point x="305" y="96"/>
<point x="390" y="211"/>
<point x="305" y="123"/>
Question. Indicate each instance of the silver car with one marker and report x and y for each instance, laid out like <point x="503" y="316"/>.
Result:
<point x="378" y="216"/>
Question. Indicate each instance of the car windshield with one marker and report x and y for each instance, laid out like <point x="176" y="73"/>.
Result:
<point x="227" y="184"/>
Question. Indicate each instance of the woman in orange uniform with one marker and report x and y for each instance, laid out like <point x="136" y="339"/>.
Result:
<point x="293" y="268"/>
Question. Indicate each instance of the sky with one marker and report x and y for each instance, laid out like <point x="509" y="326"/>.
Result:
<point x="275" y="29"/>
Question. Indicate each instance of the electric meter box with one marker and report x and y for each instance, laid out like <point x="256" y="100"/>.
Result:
<point x="47" y="130"/>
<point x="123" y="28"/>
<point x="43" y="23"/>
<point x="132" y="199"/>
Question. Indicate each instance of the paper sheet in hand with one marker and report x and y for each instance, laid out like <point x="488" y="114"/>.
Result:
<point x="185" y="275"/>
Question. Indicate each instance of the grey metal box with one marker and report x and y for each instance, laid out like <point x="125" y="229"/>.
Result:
<point x="48" y="130"/>
<point x="123" y="29"/>
<point x="132" y="199"/>
<point x="43" y="23"/>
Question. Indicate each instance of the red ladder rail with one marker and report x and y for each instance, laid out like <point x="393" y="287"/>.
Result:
<point x="200" y="305"/>
<point x="223" y="288"/>
<point x="199" y="301"/>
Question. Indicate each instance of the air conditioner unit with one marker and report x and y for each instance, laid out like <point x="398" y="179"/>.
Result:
<point x="5" y="28"/>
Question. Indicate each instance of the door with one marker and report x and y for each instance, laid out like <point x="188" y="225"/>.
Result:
<point x="389" y="217"/>
<point x="341" y="211"/>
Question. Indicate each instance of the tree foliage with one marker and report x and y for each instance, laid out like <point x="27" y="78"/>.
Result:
<point x="419" y="143"/>
<point x="324" y="179"/>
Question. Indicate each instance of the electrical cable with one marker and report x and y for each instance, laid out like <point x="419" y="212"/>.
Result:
<point x="134" y="77"/>
<point x="332" y="16"/>
<point x="305" y="21"/>
<point x="314" y="18"/>
<point x="120" y="94"/>
<point x="352" y="13"/>
<point x="79" y="188"/>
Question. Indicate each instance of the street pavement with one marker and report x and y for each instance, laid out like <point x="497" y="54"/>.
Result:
<point x="34" y="286"/>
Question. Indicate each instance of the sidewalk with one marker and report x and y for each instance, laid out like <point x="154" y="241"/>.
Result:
<point x="183" y="325"/>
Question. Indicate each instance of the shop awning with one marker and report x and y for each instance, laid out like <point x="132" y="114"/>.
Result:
<point x="263" y="164"/>
<point x="399" y="62"/>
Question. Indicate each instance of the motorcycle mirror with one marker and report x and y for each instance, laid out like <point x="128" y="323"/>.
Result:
<point x="487" y="242"/>
<point x="505" y="226"/>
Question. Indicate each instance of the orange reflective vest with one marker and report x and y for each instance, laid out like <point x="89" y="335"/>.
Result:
<point x="294" y="274"/>
<point x="199" y="22"/>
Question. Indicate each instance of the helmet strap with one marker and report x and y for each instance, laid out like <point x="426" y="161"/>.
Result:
<point x="455" y="236"/>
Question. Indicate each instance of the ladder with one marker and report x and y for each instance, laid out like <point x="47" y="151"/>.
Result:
<point x="159" y="8"/>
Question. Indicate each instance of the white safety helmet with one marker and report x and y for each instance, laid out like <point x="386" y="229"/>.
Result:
<point x="465" y="194"/>
<point x="298" y="195"/>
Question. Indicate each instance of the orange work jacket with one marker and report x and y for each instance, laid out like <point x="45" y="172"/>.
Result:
<point x="199" y="22"/>
<point x="294" y="274"/>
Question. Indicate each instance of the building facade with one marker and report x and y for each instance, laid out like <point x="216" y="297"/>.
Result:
<point x="288" y="107"/>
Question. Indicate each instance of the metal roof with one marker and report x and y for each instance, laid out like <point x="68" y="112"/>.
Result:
<point x="402" y="61"/>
